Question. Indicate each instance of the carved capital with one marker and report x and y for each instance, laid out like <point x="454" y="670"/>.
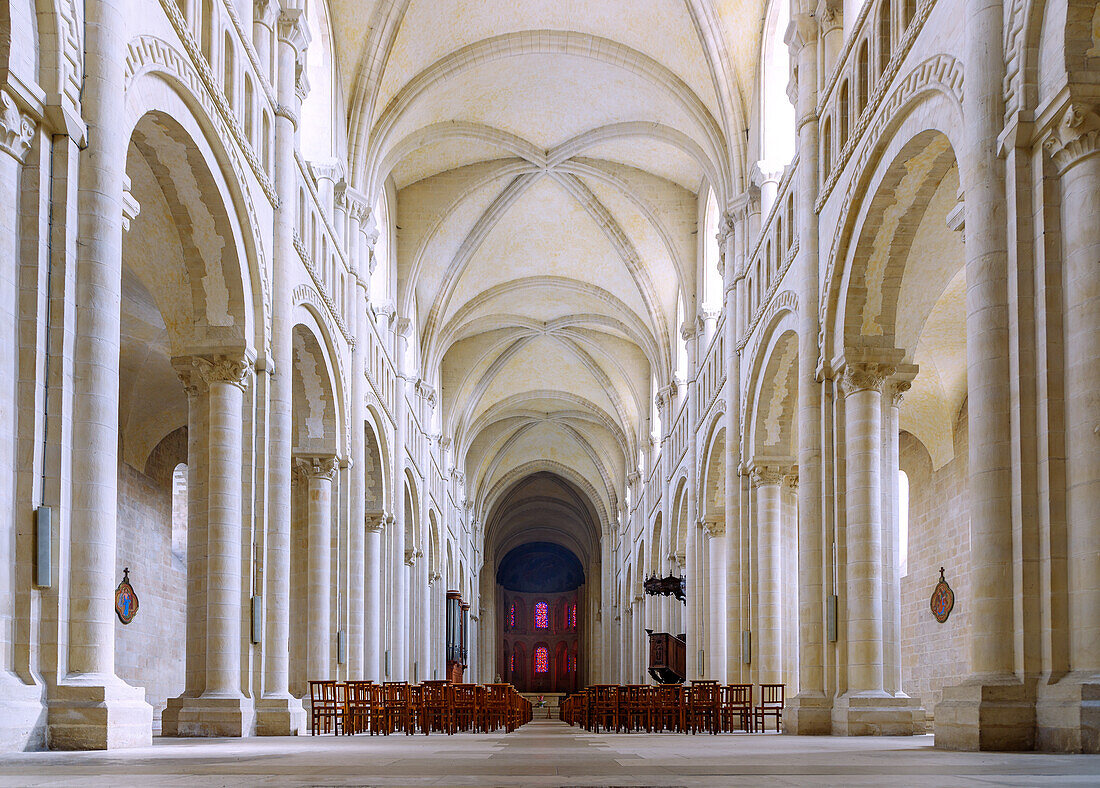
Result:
<point x="263" y="12"/>
<point x="1075" y="138"/>
<point x="761" y="475"/>
<point x="766" y="172"/>
<point x="665" y="395"/>
<point x="801" y="31"/>
<point x="374" y="522"/>
<point x="633" y="478"/>
<point x="830" y="15"/>
<point x="791" y="481"/>
<point x="896" y="389"/>
<point x="316" y="466"/>
<point x="192" y="381"/>
<point x="865" y="376"/>
<point x="714" y="527"/>
<point x="16" y="128"/>
<point x="292" y="29"/>
<point x="235" y="370"/>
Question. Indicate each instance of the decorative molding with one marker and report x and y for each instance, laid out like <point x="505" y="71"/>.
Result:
<point x="942" y="72"/>
<point x="214" y="91"/>
<point x="16" y="128"/>
<point x="896" y="389"/>
<point x="321" y="291"/>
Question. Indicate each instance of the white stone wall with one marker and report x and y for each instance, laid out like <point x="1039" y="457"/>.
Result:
<point x="149" y="652"/>
<point x="935" y="655"/>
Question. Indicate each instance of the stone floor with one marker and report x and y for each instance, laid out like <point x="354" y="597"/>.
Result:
<point x="551" y="754"/>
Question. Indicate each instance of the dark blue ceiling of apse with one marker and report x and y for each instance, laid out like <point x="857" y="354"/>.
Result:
<point x="540" y="567"/>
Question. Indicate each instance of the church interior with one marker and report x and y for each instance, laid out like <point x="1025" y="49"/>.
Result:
<point x="559" y="344"/>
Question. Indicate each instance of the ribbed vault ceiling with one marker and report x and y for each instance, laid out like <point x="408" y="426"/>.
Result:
<point x="547" y="159"/>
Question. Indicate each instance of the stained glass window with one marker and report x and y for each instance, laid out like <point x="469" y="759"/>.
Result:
<point x="542" y="615"/>
<point x="571" y="617"/>
<point x="572" y="662"/>
<point x="512" y="662"/>
<point x="542" y="659"/>
<point x="512" y="616"/>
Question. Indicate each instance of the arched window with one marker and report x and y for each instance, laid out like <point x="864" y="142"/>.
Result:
<point x="319" y="109"/>
<point x="681" y="343"/>
<point x="542" y="615"/>
<point x="571" y="617"/>
<point x="712" y="280"/>
<point x="779" y="137"/>
<point x="903" y="523"/>
<point x="512" y="617"/>
<point x="179" y="512"/>
<point x="542" y="659"/>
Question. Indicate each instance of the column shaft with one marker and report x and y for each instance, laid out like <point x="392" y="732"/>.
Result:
<point x="319" y="471"/>
<point x="372" y="615"/>
<point x="769" y="594"/>
<point x="863" y="469"/>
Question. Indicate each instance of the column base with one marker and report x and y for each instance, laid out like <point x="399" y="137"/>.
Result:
<point x="1067" y="715"/>
<point x="203" y="715"/>
<point x="880" y="714"/>
<point x="808" y="715"/>
<point x="280" y="715"/>
<point x="22" y="715"/>
<point x="986" y="716"/>
<point x="99" y="712"/>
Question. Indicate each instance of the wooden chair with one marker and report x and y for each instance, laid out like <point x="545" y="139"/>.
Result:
<point x="397" y="707"/>
<point x="771" y="705"/>
<point x="464" y="707"/>
<point x="358" y="707"/>
<point x="605" y="707"/>
<point x="481" y="701"/>
<point x="325" y="708"/>
<point x="377" y="719"/>
<point x="737" y="704"/>
<point x="668" y="707"/>
<point x="435" y="707"/>
<point x="704" y="706"/>
<point x="637" y="713"/>
<point x="496" y="704"/>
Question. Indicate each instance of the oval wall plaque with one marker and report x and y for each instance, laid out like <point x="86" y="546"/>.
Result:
<point x="126" y="599"/>
<point x="943" y="599"/>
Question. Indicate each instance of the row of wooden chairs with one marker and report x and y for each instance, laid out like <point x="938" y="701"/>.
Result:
<point x="700" y="706"/>
<point x="350" y="707"/>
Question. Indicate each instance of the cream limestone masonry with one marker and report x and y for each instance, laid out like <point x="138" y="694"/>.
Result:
<point x="312" y="312"/>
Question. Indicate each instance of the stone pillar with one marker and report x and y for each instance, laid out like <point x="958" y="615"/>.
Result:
<point x="318" y="471"/>
<point x="424" y="615"/>
<point x="731" y="263"/>
<point x="213" y="703"/>
<point x="278" y="713"/>
<point x="830" y="14"/>
<point x="808" y="712"/>
<point x="765" y="176"/>
<point x="716" y="619"/>
<point x="891" y="546"/>
<point x="1075" y="147"/>
<point x="992" y="709"/>
<point x="20" y="707"/>
<point x="357" y="512"/>
<point x="92" y="707"/>
<point x="768" y="649"/>
<point x="372" y="609"/>
<point x="866" y="708"/>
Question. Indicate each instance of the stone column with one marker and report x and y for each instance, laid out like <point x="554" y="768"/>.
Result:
<point x="319" y="471"/>
<point x="716" y="620"/>
<point x="278" y="712"/>
<point x="357" y="512"/>
<point x="1075" y="147"/>
<point x="830" y="14"/>
<point x="731" y="262"/>
<point x="372" y="609"/>
<point x="866" y="708"/>
<point x="769" y="594"/>
<point x="765" y="176"/>
<point x="424" y="615"/>
<point x="93" y="708"/>
<point x="808" y="712"/>
<point x="20" y="707"/>
<point x="891" y="546"/>
<point x="992" y="709"/>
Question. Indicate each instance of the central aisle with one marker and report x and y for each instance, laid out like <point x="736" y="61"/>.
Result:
<point x="545" y="753"/>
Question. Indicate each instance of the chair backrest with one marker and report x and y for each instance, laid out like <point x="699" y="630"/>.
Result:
<point x="321" y="692"/>
<point x="359" y="692"/>
<point x="395" y="693"/>
<point x="465" y="696"/>
<point x="772" y="695"/>
<point x="737" y="695"/>
<point x="704" y="693"/>
<point x="433" y="693"/>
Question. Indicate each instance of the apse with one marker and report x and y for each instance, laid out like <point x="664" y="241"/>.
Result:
<point x="540" y="567"/>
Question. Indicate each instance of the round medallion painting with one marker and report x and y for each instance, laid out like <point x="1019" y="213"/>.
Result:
<point x="126" y="599"/>
<point x="943" y="599"/>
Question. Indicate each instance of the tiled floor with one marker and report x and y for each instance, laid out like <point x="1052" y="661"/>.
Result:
<point x="548" y="753"/>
